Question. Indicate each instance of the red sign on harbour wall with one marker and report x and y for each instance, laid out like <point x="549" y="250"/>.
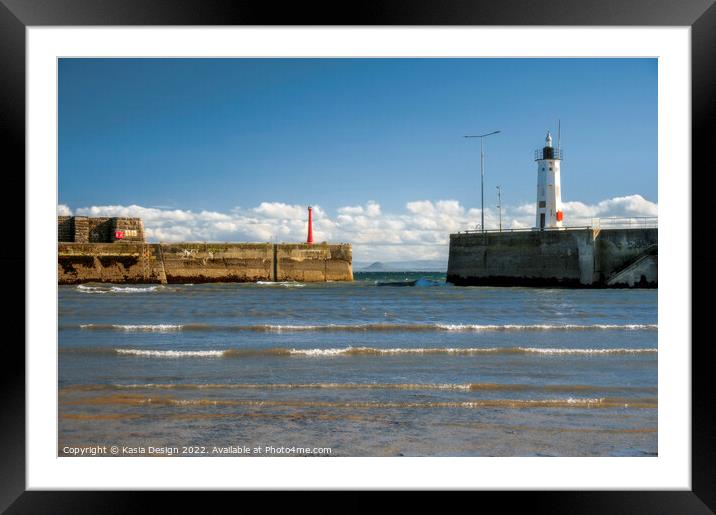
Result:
<point x="118" y="235"/>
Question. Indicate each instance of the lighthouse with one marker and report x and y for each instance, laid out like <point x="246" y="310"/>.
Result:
<point x="549" y="213"/>
<point x="309" y="238"/>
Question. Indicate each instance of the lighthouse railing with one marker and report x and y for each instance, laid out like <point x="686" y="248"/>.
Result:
<point x="557" y="153"/>
<point x="610" y="222"/>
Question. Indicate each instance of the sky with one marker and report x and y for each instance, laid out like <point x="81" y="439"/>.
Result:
<point x="235" y="149"/>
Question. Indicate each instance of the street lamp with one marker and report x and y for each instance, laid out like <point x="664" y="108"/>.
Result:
<point x="482" y="175"/>
<point x="499" y="204"/>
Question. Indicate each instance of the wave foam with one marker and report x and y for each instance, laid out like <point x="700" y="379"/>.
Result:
<point x="172" y="353"/>
<point x="586" y="351"/>
<point x="135" y="328"/>
<point x="544" y="327"/>
<point x="361" y="386"/>
<point x="117" y="289"/>
<point x="570" y="402"/>
<point x="373" y="351"/>
<point x="285" y="284"/>
<point x="360" y="351"/>
<point x="368" y="327"/>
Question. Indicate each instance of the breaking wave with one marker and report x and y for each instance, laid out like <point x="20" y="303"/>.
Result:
<point x="358" y="386"/>
<point x="162" y="328"/>
<point x="285" y="284"/>
<point x="545" y="327"/>
<point x="368" y="351"/>
<point x="569" y="402"/>
<point x="373" y="351"/>
<point x="117" y="289"/>
<point x="368" y="327"/>
<point x="172" y="353"/>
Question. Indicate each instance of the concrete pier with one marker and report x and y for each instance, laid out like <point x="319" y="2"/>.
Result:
<point x="139" y="262"/>
<point x="578" y="258"/>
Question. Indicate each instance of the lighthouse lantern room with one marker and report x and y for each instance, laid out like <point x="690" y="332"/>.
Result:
<point x="549" y="200"/>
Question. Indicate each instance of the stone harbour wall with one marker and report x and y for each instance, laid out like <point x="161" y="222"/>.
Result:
<point x="109" y="263"/>
<point x="137" y="262"/>
<point x="569" y="258"/>
<point x="315" y="262"/>
<point x="217" y="262"/>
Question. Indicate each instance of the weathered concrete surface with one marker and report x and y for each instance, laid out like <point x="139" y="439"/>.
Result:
<point x="615" y="248"/>
<point x="202" y="262"/>
<point x="109" y="263"/>
<point x="569" y="258"/>
<point x="217" y="262"/>
<point x="83" y="229"/>
<point x="642" y="273"/>
<point x="316" y="262"/>
<point x="536" y="258"/>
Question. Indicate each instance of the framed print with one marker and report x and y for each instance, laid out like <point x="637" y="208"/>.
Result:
<point x="418" y="247"/>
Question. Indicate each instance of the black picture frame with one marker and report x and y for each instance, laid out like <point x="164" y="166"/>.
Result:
<point x="700" y="15"/>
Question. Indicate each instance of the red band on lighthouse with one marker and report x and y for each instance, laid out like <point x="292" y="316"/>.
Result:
<point x="310" y="226"/>
<point x="560" y="216"/>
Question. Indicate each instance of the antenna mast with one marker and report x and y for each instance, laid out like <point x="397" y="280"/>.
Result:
<point x="559" y="136"/>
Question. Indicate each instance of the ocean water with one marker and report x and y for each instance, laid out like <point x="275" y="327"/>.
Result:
<point x="356" y="369"/>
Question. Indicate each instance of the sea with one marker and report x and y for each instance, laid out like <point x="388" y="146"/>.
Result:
<point x="391" y="364"/>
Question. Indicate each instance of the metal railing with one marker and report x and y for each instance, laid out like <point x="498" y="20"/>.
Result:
<point x="626" y="222"/>
<point x="611" y="222"/>
<point x="557" y="153"/>
<point x="522" y="229"/>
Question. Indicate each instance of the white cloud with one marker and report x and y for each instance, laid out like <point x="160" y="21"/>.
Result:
<point x="280" y="210"/>
<point x="420" y="231"/>
<point x="372" y="208"/>
<point x="351" y="210"/>
<point x="63" y="210"/>
<point x="630" y="206"/>
<point x="449" y="207"/>
<point x="525" y="209"/>
<point x="424" y="207"/>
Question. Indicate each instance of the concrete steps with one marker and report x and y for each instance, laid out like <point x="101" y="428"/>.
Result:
<point x="638" y="271"/>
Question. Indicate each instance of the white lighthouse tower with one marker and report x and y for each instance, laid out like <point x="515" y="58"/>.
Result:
<point x="549" y="199"/>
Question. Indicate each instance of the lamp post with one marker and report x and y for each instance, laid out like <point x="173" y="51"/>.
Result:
<point x="499" y="204"/>
<point x="482" y="175"/>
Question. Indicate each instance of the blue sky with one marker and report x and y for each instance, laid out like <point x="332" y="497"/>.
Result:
<point x="226" y="135"/>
